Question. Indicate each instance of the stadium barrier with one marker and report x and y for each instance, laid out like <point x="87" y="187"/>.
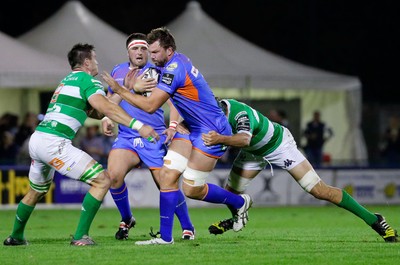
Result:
<point x="368" y="186"/>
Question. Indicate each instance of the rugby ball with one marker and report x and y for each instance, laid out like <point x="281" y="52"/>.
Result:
<point x="150" y="73"/>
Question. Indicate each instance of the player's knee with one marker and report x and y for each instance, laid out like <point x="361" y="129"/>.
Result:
<point x="116" y="179"/>
<point x="39" y="195"/>
<point x="102" y="181"/>
<point x="195" y="178"/>
<point x="309" y="181"/>
<point x="168" y="179"/>
<point x="175" y="161"/>
<point x="237" y="183"/>
<point x="196" y="193"/>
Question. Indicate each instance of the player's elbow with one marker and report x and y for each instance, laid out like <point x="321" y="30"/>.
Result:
<point x="150" y="109"/>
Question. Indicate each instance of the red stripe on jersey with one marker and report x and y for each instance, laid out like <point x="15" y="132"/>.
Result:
<point x="189" y="90"/>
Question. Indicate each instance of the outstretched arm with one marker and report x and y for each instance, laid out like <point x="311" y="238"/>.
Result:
<point x="117" y="114"/>
<point x="236" y="140"/>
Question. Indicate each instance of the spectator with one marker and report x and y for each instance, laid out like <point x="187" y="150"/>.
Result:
<point x="92" y="143"/>
<point x="26" y="128"/>
<point x="8" y="149"/>
<point x="391" y="138"/>
<point x="23" y="157"/>
<point x="9" y="122"/>
<point x="316" y="133"/>
<point x="279" y="116"/>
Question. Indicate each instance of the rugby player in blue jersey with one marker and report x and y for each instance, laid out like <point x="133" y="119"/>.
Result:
<point x="129" y="149"/>
<point x="187" y="154"/>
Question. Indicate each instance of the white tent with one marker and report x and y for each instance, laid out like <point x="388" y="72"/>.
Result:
<point x="25" y="71"/>
<point x="237" y="68"/>
<point x="74" y="23"/>
<point x="23" y="66"/>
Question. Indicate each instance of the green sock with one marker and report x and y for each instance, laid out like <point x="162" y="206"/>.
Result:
<point x="353" y="206"/>
<point x="21" y="218"/>
<point x="90" y="206"/>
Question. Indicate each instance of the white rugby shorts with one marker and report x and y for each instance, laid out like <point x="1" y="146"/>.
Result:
<point x="49" y="153"/>
<point x="286" y="156"/>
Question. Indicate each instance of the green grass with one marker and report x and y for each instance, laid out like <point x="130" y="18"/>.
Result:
<point x="274" y="235"/>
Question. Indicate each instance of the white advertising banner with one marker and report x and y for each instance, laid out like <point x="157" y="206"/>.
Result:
<point x="366" y="186"/>
<point x="371" y="186"/>
<point x="143" y="191"/>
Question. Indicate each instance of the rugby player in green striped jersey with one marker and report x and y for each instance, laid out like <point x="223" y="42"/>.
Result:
<point x="78" y="96"/>
<point x="263" y="141"/>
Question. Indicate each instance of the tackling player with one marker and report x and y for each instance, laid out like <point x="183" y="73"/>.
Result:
<point x="262" y="142"/>
<point x="78" y="96"/>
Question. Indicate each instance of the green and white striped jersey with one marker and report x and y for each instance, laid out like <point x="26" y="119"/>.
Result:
<point x="266" y="135"/>
<point x="69" y="104"/>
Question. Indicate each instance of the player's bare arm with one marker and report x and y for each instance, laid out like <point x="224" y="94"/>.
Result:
<point x="238" y="140"/>
<point x="117" y="114"/>
<point x="149" y="104"/>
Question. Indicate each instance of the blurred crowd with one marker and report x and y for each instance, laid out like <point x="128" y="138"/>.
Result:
<point x="14" y="138"/>
<point x="15" y="135"/>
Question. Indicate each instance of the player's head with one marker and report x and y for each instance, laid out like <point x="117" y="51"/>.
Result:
<point x="161" y="45"/>
<point x="222" y="104"/>
<point x="137" y="47"/>
<point x="83" y="57"/>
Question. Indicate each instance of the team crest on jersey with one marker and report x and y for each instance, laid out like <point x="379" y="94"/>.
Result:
<point x="172" y="66"/>
<point x="167" y="79"/>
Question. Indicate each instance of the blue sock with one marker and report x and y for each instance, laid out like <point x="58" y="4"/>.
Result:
<point x="219" y="195"/>
<point x="182" y="212"/>
<point x="168" y="202"/>
<point x="121" y="199"/>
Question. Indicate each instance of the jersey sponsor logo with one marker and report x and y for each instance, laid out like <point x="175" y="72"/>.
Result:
<point x="71" y="78"/>
<point x="243" y="121"/>
<point x="172" y="66"/>
<point x="194" y="71"/>
<point x="167" y="79"/>
<point x="56" y="93"/>
<point x="56" y="163"/>
<point x="243" y="124"/>
<point x="69" y="168"/>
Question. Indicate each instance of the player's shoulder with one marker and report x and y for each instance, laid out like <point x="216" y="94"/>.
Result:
<point x="177" y="63"/>
<point x="120" y="66"/>
<point x="88" y="81"/>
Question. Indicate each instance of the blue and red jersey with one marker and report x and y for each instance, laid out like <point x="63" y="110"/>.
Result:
<point x="191" y="95"/>
<point x="195" y="102"/>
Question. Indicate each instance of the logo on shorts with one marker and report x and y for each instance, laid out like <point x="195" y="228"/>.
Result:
<point x="288" y="162"/>
<point x="56" y="163"/>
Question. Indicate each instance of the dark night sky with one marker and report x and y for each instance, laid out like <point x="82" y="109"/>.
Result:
<point x="350" y="37"/>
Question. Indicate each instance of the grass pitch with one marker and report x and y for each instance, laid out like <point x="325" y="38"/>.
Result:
<point x="274" y="235"/>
